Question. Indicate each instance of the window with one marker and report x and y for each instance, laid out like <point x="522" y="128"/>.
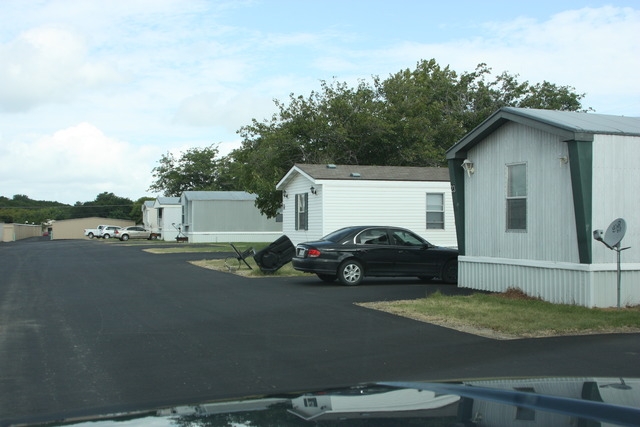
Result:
<point x="405" y="238"/>
<point x="302" y="212"/>
<point x="373" y="236"/>
<point x="435" y="211"/>
<point x="517" y="196"/>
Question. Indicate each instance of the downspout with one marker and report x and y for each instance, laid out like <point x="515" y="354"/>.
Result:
<point x="581" y="169"/>
<point x="456" y="177"/>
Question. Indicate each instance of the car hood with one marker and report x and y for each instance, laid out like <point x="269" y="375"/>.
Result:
<point x="486" y="402"/>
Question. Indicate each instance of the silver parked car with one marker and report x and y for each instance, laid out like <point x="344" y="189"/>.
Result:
<point x="133" y="232"/>
<point x="109" y="231"/>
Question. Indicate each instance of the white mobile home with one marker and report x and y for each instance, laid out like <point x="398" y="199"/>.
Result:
<point x="169" y="211"/>
<point x="150" y="216"/>
<point x="319" y="199"/>
<point x="530" y="188"/>
<point x="225" y="216"/>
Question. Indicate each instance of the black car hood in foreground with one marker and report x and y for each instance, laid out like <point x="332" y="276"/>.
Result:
<point x="496" y="402"/>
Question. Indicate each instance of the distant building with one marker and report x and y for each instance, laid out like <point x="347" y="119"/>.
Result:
<point x="225" y="216"/>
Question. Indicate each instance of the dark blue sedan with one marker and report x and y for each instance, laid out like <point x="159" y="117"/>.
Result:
<point x="352" y="253"/>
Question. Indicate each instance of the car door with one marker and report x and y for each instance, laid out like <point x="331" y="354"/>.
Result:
<point x="372" y="246"/>
<point x="413" y="254"/>
<point x="137" y="233"/>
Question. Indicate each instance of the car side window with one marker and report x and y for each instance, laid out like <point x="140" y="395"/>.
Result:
<point x="373" y="236"/>
<point x="405" y="238"/>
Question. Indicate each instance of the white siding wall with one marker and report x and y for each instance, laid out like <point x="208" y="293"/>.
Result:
<point x="171" y="214"/>
<point x="402" y="204"/>
<point x="301" y="185"/>
<point x="341" y="203"/>
<point x="150" y="218"/>
<point x="550" y="233"/>
<point x="616" y="181"/>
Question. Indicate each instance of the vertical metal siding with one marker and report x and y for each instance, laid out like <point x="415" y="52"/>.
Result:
<point x="616" y="180"/>
<point x="590" y="286"/>
<point x="550" y="233"/>
<point x="230" y="215"/>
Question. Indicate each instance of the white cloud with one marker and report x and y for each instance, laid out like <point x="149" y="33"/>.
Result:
<point x="590" y="49"/>
<point x="76" y="164"/>
<point x="45" y="65"/>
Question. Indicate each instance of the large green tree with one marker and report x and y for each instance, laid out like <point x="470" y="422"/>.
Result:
<point x="22" y="209"/>
<point x="106" y="205"/>
<point x="197" y="169"/>
<point x="407" y="119"/>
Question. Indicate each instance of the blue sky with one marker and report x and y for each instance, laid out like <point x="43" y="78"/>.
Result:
<point x="92" y="93"/>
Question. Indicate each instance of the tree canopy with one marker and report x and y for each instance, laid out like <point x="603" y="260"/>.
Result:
<point x="197" y="169"/>
<point x="408" y="119"/>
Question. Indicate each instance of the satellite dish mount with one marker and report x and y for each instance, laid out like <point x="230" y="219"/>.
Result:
<point x="611" y="239"/>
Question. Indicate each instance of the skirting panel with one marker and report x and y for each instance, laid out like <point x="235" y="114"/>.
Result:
<point x="562" y="283"/>
<point x="232" y="237"/>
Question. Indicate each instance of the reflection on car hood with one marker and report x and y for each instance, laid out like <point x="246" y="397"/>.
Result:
<point x="495" y="402"/>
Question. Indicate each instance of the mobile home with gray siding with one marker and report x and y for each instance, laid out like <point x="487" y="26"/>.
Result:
<point x="541" y="182"/>
<point x="225" y="216"/>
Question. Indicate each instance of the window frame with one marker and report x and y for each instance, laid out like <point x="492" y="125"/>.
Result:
<point x="302" y="216"/>
<point x="441" y="212"/>
<point x="516" y="204"/>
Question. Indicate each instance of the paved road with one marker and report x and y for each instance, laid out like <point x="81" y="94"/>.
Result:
<point x="91" y="326"/>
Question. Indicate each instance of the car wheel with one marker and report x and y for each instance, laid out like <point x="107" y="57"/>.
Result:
<point x="105" y="236"/>
<point x="350" y="273"/>
<point x="450" y="271"/>
<point x="327" y="277"/>
<point x="91" y="235"/>
<point x="125" y="237"/>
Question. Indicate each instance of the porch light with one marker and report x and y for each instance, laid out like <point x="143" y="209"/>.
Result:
<point x="467" y="165"/>
<point x="313" y="190"/>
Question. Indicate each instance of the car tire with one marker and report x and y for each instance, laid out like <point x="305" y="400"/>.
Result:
<point x="350" y="273"/>
<point x="124" y="237"/>
<point x="91" y="235"/>
<point x="450" y="272"/>
<point x="327" y="277"/>
<point x="105" y="236"/>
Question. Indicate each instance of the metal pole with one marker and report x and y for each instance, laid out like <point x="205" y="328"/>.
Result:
<point x="618" y="251"/>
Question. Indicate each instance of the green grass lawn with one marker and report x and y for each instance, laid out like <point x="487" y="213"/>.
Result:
<point x="512" y="315"/>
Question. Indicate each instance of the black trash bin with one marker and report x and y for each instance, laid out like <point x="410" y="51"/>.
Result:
<point x="275" y="255"/>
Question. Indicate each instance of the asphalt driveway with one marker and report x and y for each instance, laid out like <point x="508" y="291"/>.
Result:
<point x="92" y="326"/>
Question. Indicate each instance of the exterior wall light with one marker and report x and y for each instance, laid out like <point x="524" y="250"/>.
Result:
<point x="467" y="165"/>
<point x="313" y="190"/>
<point x="285" y="194"/>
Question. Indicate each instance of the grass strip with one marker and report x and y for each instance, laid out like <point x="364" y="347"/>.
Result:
<point x="513" y="315"/>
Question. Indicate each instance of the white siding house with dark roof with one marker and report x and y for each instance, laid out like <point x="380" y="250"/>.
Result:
<point x="225" y="216"/>
<point x="169" y="211"/>
<point x="319" y="199"/>
<point x="541" y="182"/>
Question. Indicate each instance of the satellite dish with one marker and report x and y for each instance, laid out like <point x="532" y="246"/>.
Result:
<point x="615" y="232"/>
